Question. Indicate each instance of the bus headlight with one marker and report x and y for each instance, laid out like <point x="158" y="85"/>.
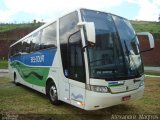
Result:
<point x="95" y="88"/>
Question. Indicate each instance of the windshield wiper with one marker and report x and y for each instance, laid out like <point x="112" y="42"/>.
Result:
<point x="127" y="51"/>
<point x="130" y="58"/>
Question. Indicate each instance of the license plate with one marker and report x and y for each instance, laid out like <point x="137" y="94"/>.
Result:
<point x="125" y="98"/>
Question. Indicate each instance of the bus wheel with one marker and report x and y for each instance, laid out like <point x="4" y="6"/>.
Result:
<point x="52" y="94"/>
<point x="15" y="78"/>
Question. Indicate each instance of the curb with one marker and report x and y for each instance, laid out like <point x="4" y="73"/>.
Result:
<point x="4" y="70"/>
<point x="152" y="76"/>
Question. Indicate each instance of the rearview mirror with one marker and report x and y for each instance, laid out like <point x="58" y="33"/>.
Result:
<point x="90" y="30"/>
<point x="150" y="39"/>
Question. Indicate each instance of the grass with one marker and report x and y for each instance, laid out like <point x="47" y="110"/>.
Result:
<point x="9" y="27"/>
<point x="146" y="26"/>
<point x="150" y="72"/>
<point x="152" y="27"/>
<point x="33" y="105"/>
<point x="3" y="64"/>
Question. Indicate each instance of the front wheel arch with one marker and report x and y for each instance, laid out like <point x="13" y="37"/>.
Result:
<point x="50" y="85"/>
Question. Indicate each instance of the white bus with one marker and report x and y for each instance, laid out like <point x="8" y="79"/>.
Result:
<point x="87" y="58"/>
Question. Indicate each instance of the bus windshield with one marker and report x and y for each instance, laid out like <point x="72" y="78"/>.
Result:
<point x="116" y="53"/>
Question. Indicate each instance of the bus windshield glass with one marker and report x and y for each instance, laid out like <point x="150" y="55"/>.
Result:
<point x="115" y="54"/>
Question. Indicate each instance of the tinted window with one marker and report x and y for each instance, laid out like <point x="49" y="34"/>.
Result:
<point x="68" y="25"/>
<point x="48" y="38"/>
<point x="16" y="49"/>
<point x="19" y="47"/>
<point x="105" y="58"/>
<point x="26" y="45"/>
<point x="130" y="46"/>
<point x="76" y="63"/>
<point x="35" y="43"/>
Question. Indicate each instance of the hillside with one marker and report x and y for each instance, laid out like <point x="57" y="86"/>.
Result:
<point x="9" y="27"/>
<point x="10" y="33"/>
<point x="153" y="27"/>
<point x="145" y="26"/>
<point x="150" y="58"/>
<point x="139" y="26"/>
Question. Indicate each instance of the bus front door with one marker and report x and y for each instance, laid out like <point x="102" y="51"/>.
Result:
<point x="76" y="71"/>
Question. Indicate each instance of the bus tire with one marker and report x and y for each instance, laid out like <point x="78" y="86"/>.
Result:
<point x="52" y="93"/>
<point x="15" y="78"/>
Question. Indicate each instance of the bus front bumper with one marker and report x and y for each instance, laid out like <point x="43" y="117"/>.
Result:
<point x="95" y="100"/>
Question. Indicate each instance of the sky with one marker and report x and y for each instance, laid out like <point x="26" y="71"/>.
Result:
<point x="21" y="11"/>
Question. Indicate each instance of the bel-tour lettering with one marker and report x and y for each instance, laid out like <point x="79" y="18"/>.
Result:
<point x="37" y="59"/>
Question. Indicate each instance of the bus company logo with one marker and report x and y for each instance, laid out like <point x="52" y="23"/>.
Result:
<point x="116" y="83"/>
<point x="79" y="96"/>
<point x="37" y="59"/>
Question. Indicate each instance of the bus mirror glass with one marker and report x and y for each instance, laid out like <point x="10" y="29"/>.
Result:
<point x="90" y="30"/>
<point x="143" y="36"/>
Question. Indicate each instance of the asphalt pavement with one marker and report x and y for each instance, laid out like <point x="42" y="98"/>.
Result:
<point x="3" y="72"/>
<point x="157" y="69"/>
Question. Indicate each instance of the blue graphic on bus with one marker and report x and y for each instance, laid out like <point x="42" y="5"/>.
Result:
<point x="39" y="58"/>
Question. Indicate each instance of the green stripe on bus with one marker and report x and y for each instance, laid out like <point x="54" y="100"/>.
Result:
<point x="32" y="75"/>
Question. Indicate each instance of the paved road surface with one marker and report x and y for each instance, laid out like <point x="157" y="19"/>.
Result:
<point x="3" y="72"/>
<point x="152" y="68"/>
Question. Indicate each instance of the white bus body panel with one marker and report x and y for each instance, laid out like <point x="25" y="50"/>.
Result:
<point x="104" y="100"/>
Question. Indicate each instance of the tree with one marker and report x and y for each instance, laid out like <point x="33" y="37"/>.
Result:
<point x="34" y="22"/>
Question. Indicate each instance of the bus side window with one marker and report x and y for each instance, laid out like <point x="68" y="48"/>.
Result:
<point x="19" y="47"/>
<point x="49" y="37"/>
<point x="26" y="45"/>
<point x="35" y="42"/>
<point x="16" y="49"/>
